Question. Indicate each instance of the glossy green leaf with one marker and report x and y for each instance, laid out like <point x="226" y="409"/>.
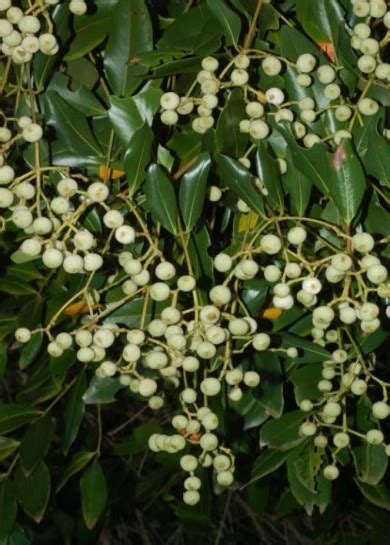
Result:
<point x="338" y="175"/>
<point x="78" y="463"/>
<point x="270" y="394"/>
<point x="228" y="137"/>
<point x="33" y="491"/>
<point x="303" y="495"/>
<point x="161" y="198"/>
<point x="8" y="508"/>
<point x="239" y="180"/>
<point x="130" y="35"/>
<point x="93" y="494"/>
<point x="230" y="22"/>
<point x="74" y="412"/>
<point x="308" y="351"/>
<point x="307" y="462"/>
<point x="192" y="192"/>
<point x="268" y="462"/>
<point x="91" y="30"/>
<point x="8" y="445"/>
<point x="282" y="433"/>
<point x="30" y="350"/>
<point x="250" y="409"/>
<point x="268" y="172"/>
<point x="305" y="380"/>
<point x="36" y="442"/>
<point x="71" y="126"/>
<point x="13" y="415"/>
<point x="377" y="494"/>
<point x="370" y="462"/>
<point x="138" y="157"/>
<point x="101" y="391"/>
<point x="194" y="31"/>
<point x="298" y="187"/>
<point x="125" y="118"/>
<point x="15" y="286"/>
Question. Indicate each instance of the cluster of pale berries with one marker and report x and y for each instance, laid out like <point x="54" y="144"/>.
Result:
<point x="340" y="377"/>
<point x="168" y="352"/>
<point x="21" y="32"/>
<point x="48" y="236"/>
<point x="272" y="104"/>
<point x="370" y="61"/>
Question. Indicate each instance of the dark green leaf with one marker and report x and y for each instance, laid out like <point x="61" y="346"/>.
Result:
<point x="192" y="191"/>
<point x="307" y="462"/>
<point x="298" y="187"/>
<point x="36" y="442"/>
<point x="93" y="494"/>
<point x="377" y="494"/>
<point x="161" y="198"/>
<point x="283" y="433"/>
<point x="90" y="30"/>
<point x="268" y="462"/>
<point x="268" y="172"/>
<point x="33" y="491"/>
<point x="15" y="286"/>
<point x="8" y="445"/>
<point x="13" y="415"/>
<point x="230" y="22"/>
<point x="8" y="508"/>
<point x="239" y="180"/>
<point x="270" y="395"/>
<point x="3" y="359"/>
<point x="370" y="462"/>
<point x="30" y="350"/>
<point x="74" y="412"/>
<point x="305" y="380"/>
<point x="130" y="34"/>
<point x="308" y="352"/>
<point x="228" y="137"/>
<point x="71" y="126"/>
<point x="101" y="391"/>
<point x="138" y="157"/>
<point x="78" y="462"/>
<point x="125" y="118"/>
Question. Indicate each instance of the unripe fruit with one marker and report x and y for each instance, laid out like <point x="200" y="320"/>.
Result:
<point x="359" y="387"/>
<point x="380" y="410"/>
<point x="92" y="262"/>
<point x="377" y="274"/>
<point x="258" y="129"/>
<point x="341" y="440"/>
<point x="77" y="7"/>
<point x="331" y="472"/>
<point x="308" y="429"/>
<point x="261" y="341"/>
<point x="223" y="262"/>
<point x="296" y="235"/>
<point x="191" y="497"/>
<point x="23" y="335"/>
<point x="225" y="478"/>
<point x="271" y="66"/>
<point x="188" y="462"/>
<point x="251" y="379"/>
<point x="320" y="441"/>
<point x="147" y="387"/>
<point x="326" y="74"/>
<point x="368" y="106"/>
<point x="239" y="77"/>
<point x="220" y="295"/>
<point x="272" y="273"/>
<point x="159" y="291"/>
<point x="52" y="258"/>
<point x="306" y="63"/>
<point x="31" y="247"/>
<point x="73" y="264"/>
<point x="165" y="271"/>
<point x="270" y="244"/>
<point x="306" y="405"/>
<point x="274" y="95"/>
<point x="6" y="197"/>
<point x="208" y="442"/>
<point x="210" y="64"/>
<point x="186" y="283"/>
<point x="192" y="483"/>
<point x="210" y="386"/>
<point x="374" y="437"/>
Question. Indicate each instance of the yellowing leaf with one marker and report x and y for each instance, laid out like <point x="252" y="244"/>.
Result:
<point x="328" y="49"/>
<point x="247" y="222"/>
<point x="77" y="308"/>
<point x="106" y="174"/>
<point x="271" y="313"/>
